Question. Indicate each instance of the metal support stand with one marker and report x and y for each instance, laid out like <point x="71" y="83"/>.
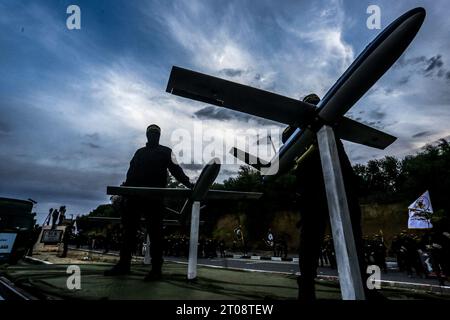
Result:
<point x="344" y="242"/>
<point x="193" y="243"/>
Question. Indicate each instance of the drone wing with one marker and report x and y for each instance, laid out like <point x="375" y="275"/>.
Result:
<point x="145" y="192"/>
<point x="249" y="159"/>
<point x="238" y="97"/>
<point x="357" y="132"/>
<point x="232" y="195"/>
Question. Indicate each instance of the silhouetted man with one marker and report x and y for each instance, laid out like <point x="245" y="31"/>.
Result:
<point x="314" y="210"/>
<point x="66" y="239"/>
<point x="148" y="168"/>
<point x="62" y="215"/>
<point x="55" y="216"/>
<point x="49" y="217"/>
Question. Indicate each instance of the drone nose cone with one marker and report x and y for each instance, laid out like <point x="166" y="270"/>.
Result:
<point x="415" y="17"/>
<point x="214" y="162"/>
<point x="420" y="13"/>
<point x="206" y="179"/>
<point x="420" y="10"/>
<point x="412" y="23"/>
<point x="213" y="167"/>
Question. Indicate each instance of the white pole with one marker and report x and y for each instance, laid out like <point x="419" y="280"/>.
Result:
<point x="341" y="226"/>
<point x="193" y="241"/>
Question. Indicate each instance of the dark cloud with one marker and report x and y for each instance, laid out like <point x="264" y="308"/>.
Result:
<point x="92" y="145"/>
<point x="232" y="72"/>
<point x="4" y="128"/>
<point x="228" y="115"/>
<point x="422" y="134"/>
<point x="93" y="136"/>
<point x="51" y="183"/>
<point x="92" y="142"/>
<point x="403" y="80"/>
<point x="377" y="115"/>
<point x="423" y="65"/>
<point x="213" y="113"/>
<point x="403" y="62"/>
<point x="434" y="63"/>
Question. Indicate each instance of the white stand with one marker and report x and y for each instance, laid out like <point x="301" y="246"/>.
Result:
<point x="344" y="242"/>
<point x="147" y="259"/>
<point x="193" y="243"/>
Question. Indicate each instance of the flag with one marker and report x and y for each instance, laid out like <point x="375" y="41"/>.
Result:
<point x="419" y="213"/>
<point x="75" y="228"/>
<point x="239" y="234"/>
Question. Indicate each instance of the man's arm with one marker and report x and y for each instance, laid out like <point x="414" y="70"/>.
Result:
<point x="131" y="173"/>
<point x="178" y="172"/>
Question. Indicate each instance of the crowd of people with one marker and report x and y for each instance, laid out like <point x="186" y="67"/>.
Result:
<point x="327" y="255"/>
<point x="174" y="245"/>
<point x="178" y="246"/>
<point x="425" y="255"/>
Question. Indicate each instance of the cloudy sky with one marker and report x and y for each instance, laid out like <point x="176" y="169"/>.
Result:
<point x="74" y="104"/>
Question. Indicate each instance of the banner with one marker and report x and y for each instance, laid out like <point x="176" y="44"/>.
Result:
<point x="7" y="242"/>
<point x="420" y="212"/>
<point x="51" y="236"/>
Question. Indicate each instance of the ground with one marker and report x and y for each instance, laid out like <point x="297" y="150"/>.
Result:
<point x="50" y="281"/>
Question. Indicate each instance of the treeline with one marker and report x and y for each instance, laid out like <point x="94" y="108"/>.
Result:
<point x="394" y="180"/>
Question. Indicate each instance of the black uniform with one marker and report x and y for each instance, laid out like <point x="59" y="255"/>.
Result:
<point x="148" y="168"/>
<point x="314" y="215"/>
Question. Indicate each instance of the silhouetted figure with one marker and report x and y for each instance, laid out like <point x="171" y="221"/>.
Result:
<point x="446" y="253"/>
<point x="234" y="246"/>
<point x="379" y="252"/>
<point x="222" y="248"/>
<point x="314" y="211"/>
<point x="34" y="238"/>
<point x="148" y="168"/>
<point x="62" y="215"/>
<point x="55" y="216"/>
<point x="49" y="217"/>
<point x="201" y="247"/>
<point x="66" y="240"/>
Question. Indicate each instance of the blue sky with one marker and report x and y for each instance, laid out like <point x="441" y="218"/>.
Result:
<point x="74" y="104"/>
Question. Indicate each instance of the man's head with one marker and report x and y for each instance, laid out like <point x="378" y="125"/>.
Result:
<point x="153" y="134"/>
<point x="312" y="99"/>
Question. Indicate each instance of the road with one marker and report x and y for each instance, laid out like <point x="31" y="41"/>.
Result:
<point x="392" y="277"/>
<point x="292" y="268"/>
